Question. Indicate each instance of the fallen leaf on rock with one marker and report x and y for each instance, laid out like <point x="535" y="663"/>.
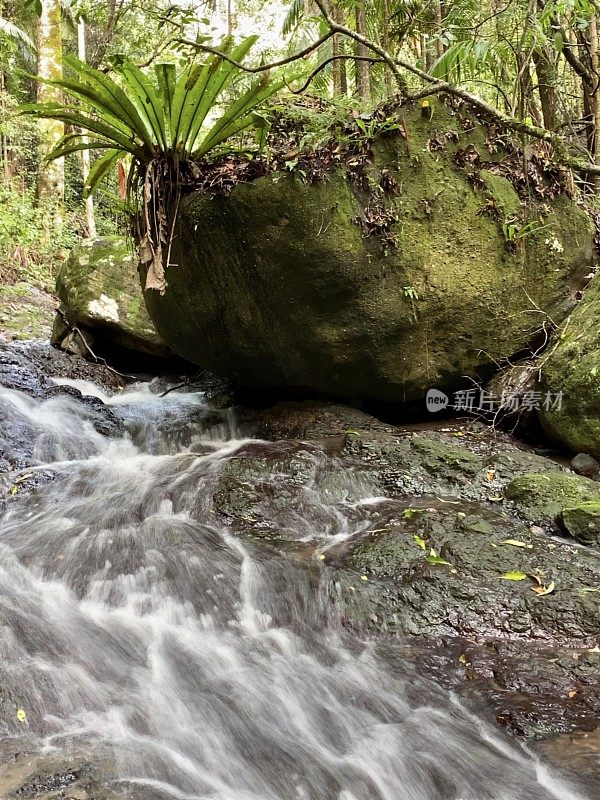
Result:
<point x="517" y="543"/>
<point x="542" y="590"/>
<point x="595" y="649"/>
<point x="420" y="541"/>
<point x="364" y="578"/>
<point x="433" y="558"/>
<point x="21" y="715"/>
<point x="495" y="498"/>
<point x="514" y="576"/>
<point x="574" y="693"/>
<point x="490" y="474"/>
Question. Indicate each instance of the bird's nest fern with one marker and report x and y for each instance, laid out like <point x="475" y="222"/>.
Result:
<point x="158" y="123"/>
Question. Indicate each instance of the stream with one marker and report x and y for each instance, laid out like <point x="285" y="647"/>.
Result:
<point x="191" y="663"/>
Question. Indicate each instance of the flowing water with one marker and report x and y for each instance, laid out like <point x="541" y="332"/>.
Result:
<point x="197" y="664"/>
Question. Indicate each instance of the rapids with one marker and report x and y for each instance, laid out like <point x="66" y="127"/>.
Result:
<point x="194" y="664"/>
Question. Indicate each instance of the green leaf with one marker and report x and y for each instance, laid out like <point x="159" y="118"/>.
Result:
<point x="100" y="169"/>
<point x="433" y="558"/>
<point x="420" y="541"/>
<point x="146" y="100"/>
<point x="113" y="94"/>
<point x="514" y="576"/>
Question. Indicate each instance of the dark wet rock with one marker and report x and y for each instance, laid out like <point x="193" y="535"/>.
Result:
<point x="26" y="371"/>
<point x="577" y="754"/>
<point x="542" y="497"/>
<point x="438" y="569"/>
<point x="402" y="493"/>
<point x="586" y="465"/>
<point x="29" y="367"/>
<point x="582" y="522"/>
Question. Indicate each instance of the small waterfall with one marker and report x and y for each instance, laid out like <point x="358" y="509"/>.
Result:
<point x="193" y="663"/>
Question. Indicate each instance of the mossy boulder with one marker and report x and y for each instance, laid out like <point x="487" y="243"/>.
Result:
<point x="572" y="372"/>
<point x="541" y="497"/>
<point x="582" y="522"/>
<point x="286" y="284"/>
<point x="99" y="292"/>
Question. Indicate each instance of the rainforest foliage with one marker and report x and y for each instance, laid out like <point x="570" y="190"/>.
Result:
<point x="125" y="96"/>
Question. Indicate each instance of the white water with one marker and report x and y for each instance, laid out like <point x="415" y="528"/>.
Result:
<point x="133" y="623"/>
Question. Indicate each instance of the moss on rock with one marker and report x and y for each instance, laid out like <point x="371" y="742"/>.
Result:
<point x="543" y="496"/>
<point x="99" y="289"/>
<point x="572" y="372"/>
<point x="278" y="285"/>
<point x="582" y="522"/>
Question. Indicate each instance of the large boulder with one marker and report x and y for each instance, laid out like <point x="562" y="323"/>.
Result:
<point x="99" y="293"/>
<point x="571" y="374"/>
<point x="417" y="267"/>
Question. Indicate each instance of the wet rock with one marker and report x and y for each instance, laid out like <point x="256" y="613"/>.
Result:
<point x="430" y="570"/>
<point x="577" y="754"/>
<point x="99" y="290"/>
<point x="582" y="522"/>
<point x="542" y="497"/>
<point x="29" y="368"/>
<point x="586" y="465"/>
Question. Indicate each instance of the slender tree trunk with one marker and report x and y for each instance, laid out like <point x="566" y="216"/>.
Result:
<point x="385" y="11"/>
<point x="85" y="154"/>
<point x="51" y="176"/>
<point x="545" y="70"/>
<point x="439" y="19"/>
<point x="595" y="98"/>
<point x="230" y="20"/>
<point x="363" y="68"/>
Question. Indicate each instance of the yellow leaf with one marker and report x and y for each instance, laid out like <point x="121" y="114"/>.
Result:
<point x="517" y="543"/>
<point x="321" y="557"/>
<point x="574" y="693"/>
<point x="514" y="576"/>
<point x="420" y="541"/>
<point x="462" y="659"/>
<point x="595" y="649"/>
<point x="364" y="578"/>
<point x="21" y="715"/>
<point x="490" y="474"/>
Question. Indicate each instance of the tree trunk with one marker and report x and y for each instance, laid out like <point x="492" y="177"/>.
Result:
<point x="545" y="70"/>
<point x="363" y="68"/>
<point x="385" y="11"/>
<point x="51" y="176"/>
<point x="85" y="154"/>
<point x="595" y="98"/>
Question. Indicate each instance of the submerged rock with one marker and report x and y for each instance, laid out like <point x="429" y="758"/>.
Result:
<point x="100" y="294"/>
<point x="343" y="290"/>
<point x="572" y="369"/>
